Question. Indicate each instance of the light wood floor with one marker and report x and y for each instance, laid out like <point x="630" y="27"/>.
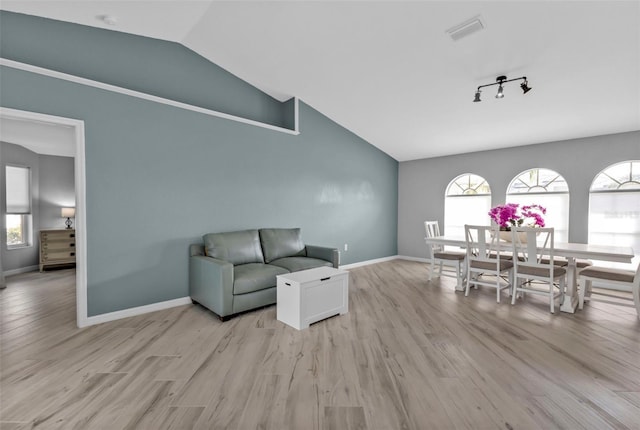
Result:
<point x="409" y="355"/>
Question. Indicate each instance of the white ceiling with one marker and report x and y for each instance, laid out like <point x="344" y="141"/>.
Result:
<point x="389" y="72"/>
<point x="39" y="136"/>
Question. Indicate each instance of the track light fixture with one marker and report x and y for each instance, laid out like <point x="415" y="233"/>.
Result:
<point x="503" y="80"/>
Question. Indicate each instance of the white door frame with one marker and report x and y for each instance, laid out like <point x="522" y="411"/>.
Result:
<point x="80" y="190"/>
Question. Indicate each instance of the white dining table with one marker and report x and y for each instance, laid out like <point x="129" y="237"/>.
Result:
<point x="571" y="251"/>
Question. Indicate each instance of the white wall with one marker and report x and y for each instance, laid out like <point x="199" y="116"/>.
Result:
<point x="422" y="183"/>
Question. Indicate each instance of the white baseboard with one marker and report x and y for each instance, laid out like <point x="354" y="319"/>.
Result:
<point x="368" y="262"/>
<point x="132" y="312"/>
<point x="381" y="260"/>
<point x="419" y="259"/>
<point x="21" y="270"/>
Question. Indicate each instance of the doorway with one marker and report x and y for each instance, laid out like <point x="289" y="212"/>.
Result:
<point x="78" y="142"/>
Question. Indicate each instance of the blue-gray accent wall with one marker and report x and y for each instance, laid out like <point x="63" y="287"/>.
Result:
<point x="152" y="66"/>
<point x="159" y="177"/>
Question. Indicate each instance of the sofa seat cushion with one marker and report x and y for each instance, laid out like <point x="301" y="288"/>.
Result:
<point x="281" y="242"/>
<point x="251" y="277"/>
<point x="236" y="247"/>
<point x="295" y="264"/>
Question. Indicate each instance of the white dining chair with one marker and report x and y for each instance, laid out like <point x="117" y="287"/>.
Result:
<point x="617" y="279"/>
<point x="485" y="264"/>
<point x="450" y="263"/>
<point x="534" y="263"/>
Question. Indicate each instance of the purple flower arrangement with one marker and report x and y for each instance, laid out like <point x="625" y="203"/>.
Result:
<point x="513" y="215"/>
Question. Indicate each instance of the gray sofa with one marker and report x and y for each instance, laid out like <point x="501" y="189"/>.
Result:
<point x="236" y="271"/>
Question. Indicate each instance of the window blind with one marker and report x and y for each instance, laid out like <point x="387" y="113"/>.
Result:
<point x="18" y="185"/>
<point x="469" y="209"/>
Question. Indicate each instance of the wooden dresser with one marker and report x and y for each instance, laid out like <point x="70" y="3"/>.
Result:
<point x="57" y="247"/>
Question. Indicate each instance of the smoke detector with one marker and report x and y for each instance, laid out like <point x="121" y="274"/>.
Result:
<point x="466" y="28"/>
<point x="108" y="19"/>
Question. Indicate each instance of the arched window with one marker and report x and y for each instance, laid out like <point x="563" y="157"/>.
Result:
<point x="467" y="201"/>
<point x="614" y="206"/>
<point x="548" y="189"/>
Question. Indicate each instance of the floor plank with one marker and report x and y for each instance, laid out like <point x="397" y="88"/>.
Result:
<point x="410" y="354"/>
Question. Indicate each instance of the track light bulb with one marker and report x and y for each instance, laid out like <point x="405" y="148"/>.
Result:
<point x="500" y="80"/>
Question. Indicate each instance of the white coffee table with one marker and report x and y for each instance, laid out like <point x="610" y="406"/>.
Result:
<point x="312" y="295"/>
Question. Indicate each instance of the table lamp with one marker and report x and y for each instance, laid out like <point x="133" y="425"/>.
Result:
<point x="68" y="213"/>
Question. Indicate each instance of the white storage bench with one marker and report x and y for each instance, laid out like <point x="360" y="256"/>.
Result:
<point x="312" y="295"/>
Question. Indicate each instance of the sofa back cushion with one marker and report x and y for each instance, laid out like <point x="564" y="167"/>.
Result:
<point x="281" y="242"/>
<point x="236" y="247"/>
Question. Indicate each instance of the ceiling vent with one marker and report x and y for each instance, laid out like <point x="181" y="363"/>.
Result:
<point x="466" y="28"/>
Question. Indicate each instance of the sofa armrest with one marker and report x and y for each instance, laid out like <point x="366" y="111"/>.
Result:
<point x="211" y="284"/>
<point x="196" y="249"/>
<point x="330" y="254"/>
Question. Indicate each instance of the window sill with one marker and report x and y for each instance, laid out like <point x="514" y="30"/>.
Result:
<point x="16" y="247"/>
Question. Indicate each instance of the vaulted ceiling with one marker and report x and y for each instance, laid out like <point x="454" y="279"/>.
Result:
<point x="389" y="72"/>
